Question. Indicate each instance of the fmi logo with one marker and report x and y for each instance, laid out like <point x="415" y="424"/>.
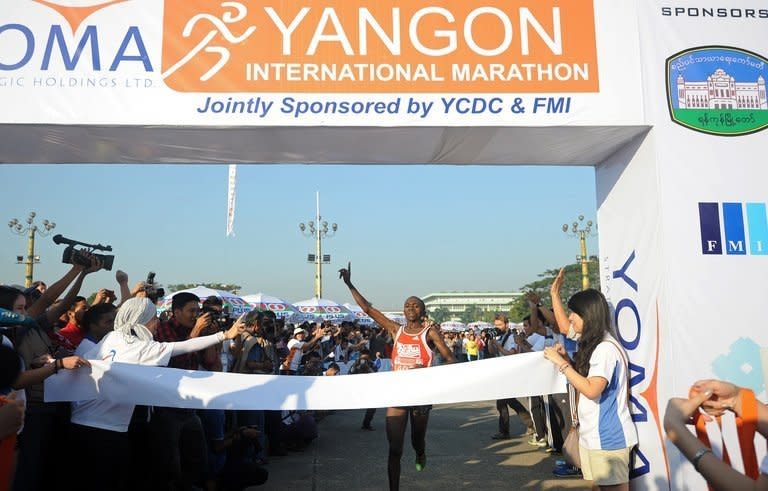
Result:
<point x="744" y="229"/>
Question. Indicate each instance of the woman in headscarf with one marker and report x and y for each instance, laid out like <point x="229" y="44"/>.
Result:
<point x="100" y="426"/>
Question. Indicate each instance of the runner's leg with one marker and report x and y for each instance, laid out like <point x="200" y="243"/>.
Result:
<point x="419" y="420"/>
<point x="397" y="418"/>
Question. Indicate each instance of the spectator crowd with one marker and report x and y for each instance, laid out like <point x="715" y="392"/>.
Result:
<point x="49" y="328"/>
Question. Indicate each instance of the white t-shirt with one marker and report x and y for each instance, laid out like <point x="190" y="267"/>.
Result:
<point x="606" y="423"/>
<point x="108" y="415"/>
<point x="296" y="360"/>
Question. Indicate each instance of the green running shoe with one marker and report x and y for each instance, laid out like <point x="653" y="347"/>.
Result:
<point x="421" y="462"/>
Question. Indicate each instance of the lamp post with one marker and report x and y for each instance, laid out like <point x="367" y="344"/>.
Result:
<point x="577" y="229"/>
<point x="319" y="230"/>
<point x="30" y="229"/>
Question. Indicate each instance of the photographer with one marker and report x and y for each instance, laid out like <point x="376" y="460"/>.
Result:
<point x="181" y="465"/>
<point x="255" y="353"/>
<point x="45" y="424"/>
<point x="229" y="467"/>
<point x="210" y="358"/>
<point x="506" y="345"/>
<point x="297" y="346"/>
<point x="364" y="364"/>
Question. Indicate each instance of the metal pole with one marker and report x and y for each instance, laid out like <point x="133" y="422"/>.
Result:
<point x="30" y="256"/>
<point x="318" y="256"/>
<point x="584" y="265"/>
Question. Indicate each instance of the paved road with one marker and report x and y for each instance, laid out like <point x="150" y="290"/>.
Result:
<point x="460" y="453"/>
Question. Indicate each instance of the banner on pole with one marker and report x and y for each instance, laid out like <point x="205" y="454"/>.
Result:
<point x="231" y="183"/>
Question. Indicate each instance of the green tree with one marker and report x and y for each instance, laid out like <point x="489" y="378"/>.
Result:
<point x="440" y="315"/>
<point x="227" y="287"/>
<point x="471" y="314"/>
<point x="572" y="284"/>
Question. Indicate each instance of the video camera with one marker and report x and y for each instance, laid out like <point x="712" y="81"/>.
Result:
<point x="153" y="290"/>
<point x="78" y="256"/>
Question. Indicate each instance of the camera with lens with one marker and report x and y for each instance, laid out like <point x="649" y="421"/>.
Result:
<point x="81" y="256"/>
<point x="153" y="290"/>
<point x="220" y="319"/>
<point x="493" y="332"/>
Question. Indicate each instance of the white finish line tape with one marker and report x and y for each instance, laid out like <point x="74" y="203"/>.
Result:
<point x="498" y="378"/>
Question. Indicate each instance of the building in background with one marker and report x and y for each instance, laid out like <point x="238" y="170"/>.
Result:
<point x="458" y="302"/>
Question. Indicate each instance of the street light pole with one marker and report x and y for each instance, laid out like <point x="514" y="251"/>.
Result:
<point x="576" y="229"/>
<point x="30" y="229"/>
<point x="318" y="229"/>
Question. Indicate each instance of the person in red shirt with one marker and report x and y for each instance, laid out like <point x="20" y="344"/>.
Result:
<point x="72" y="332"/>
<point x="412" y="348"/>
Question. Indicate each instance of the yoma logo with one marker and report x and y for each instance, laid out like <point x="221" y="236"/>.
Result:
<point x="74" y="15"/>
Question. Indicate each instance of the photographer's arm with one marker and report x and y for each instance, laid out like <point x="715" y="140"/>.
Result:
<point x="53" y="292"/>
<point x="55" y="312"/>
<point x="309" y="345"/>
<point x="125" y="290"/>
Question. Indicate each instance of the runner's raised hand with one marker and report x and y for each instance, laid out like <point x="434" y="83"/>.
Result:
<point x="346" y="273"/>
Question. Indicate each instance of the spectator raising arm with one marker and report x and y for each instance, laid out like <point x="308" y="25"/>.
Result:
<point x="54" y="312"/>
<point x="563" y="324"/>
<point x="125" y="290"/>
<point x="53" y="292"/>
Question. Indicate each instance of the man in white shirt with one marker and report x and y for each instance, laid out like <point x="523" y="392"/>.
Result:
<point x="297" y="346"/>
<point x="506" y="345"/>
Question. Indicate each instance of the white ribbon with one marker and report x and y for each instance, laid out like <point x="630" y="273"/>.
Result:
<point x="499" y="378"/>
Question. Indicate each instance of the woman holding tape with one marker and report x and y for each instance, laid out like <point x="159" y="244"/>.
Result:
<point x="100" y="426"/>
<point x="412" y="349"/>
<point x="598" y="373"/>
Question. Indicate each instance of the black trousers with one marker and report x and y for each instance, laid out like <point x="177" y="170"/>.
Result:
<point x="368" y="417"/>
<point x="105" y="457"/>
<point x="180" y="451"/>
<point x="502" y="406"/>
<point x="559" y="419"/>
<point x="539" y="416"/>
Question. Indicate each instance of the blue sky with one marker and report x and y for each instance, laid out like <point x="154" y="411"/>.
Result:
<point x="408" y="230"/>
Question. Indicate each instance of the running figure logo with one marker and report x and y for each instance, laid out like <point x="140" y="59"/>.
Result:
<point x="237" y="12"/>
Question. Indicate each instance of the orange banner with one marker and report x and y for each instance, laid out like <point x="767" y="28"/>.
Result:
<point x="383" y="46"/>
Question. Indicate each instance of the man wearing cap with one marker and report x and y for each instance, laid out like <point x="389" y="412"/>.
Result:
<point x="296" y="348"/>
